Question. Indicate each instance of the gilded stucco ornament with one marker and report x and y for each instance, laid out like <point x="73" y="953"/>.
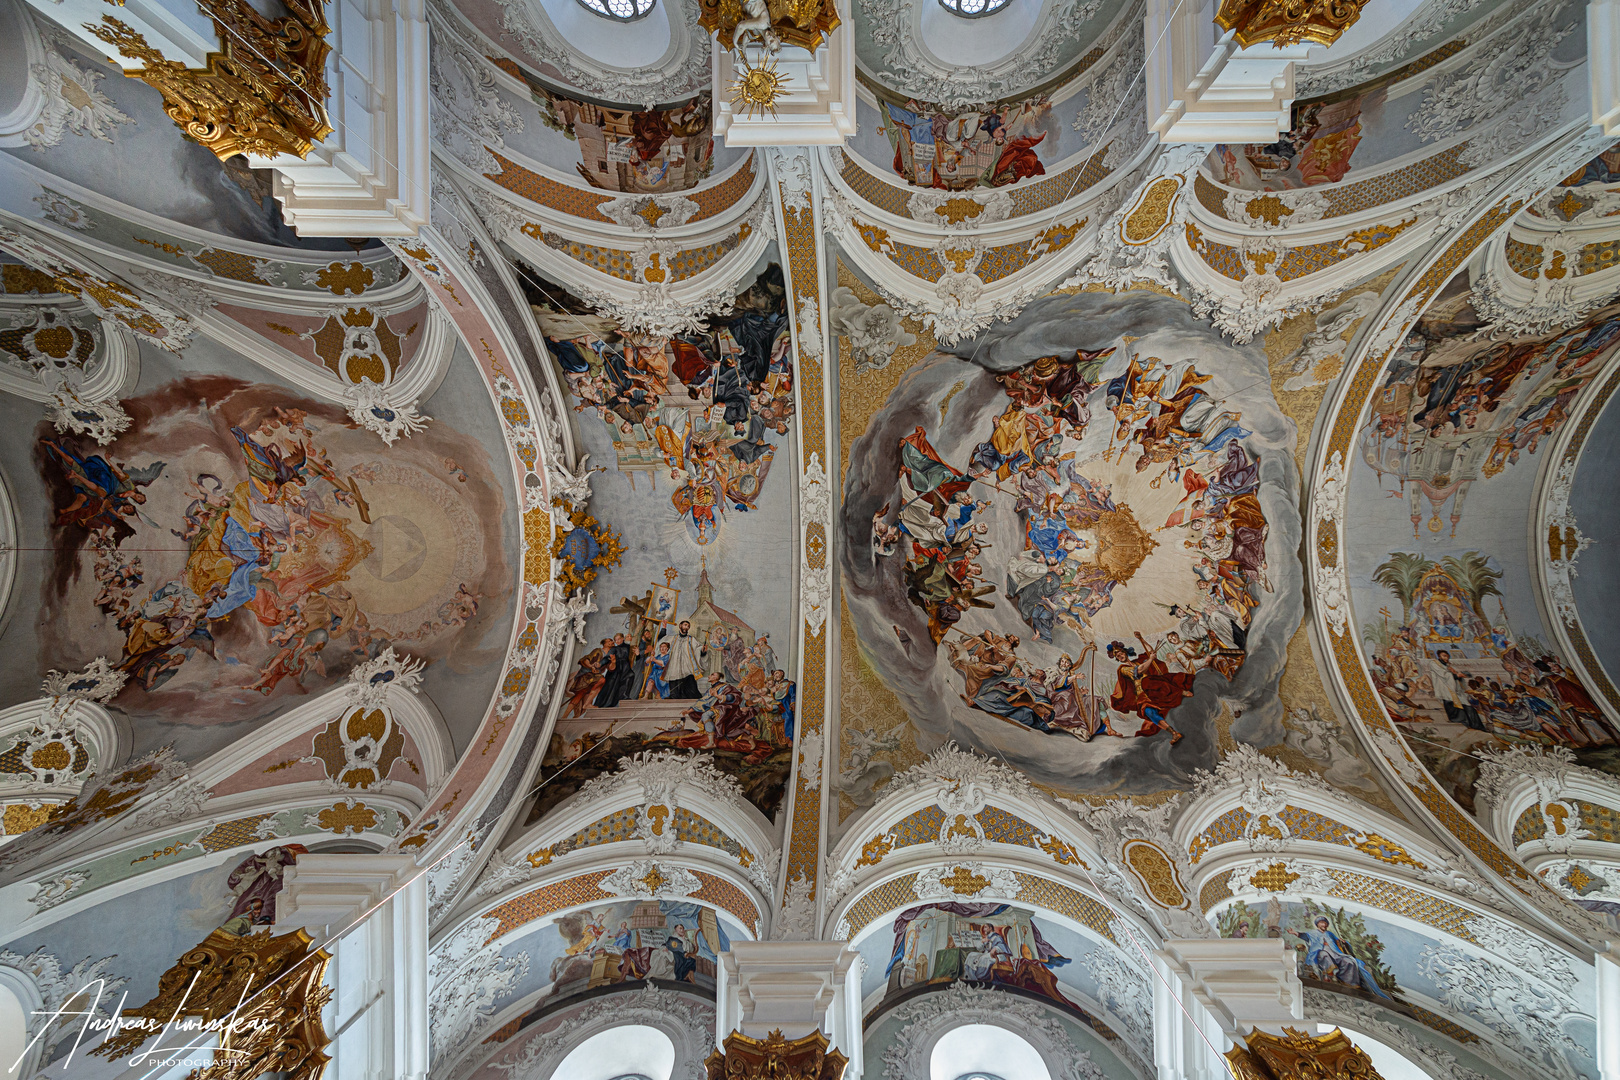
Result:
<point x="770" y="23"/>
<point x="1288" y="22"/>
<point x="1297" y="1054"/>
<point x="757" y="87"/>
<point x="264" y="94"/>
<point x="268" y="986"/>
<point x="774" y="1057"/>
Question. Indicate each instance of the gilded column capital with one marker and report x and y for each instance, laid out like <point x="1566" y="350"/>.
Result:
<point x="1294" y="1055"/>
<point x="1288" y="22"/>
<point x="264" y="93"/>
<point x="805" y="1058"/>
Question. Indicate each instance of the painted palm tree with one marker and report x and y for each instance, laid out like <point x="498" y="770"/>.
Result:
<point x="1400" y="574"/>
<point x="1474" y="575"/>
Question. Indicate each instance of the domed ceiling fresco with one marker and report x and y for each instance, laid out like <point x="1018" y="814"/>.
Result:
<point x="1021" y="525"/>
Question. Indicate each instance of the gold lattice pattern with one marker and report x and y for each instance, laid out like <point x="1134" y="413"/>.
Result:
<point x="1599" y="256"/>
<point x="1522" y="258"/>
<point x="546" y="899"/>
<point x="536" y="188"/>
<point x="1309" y="825"/>
<point x="1400" y="184"/>
<point x="1066" y="902"/>
<point x="918" y="828"/>
<point x="723" y="894"/>
<point x="1223" y="830"/>
<point x="1390" y="896"/>
<point x="1530" y="826"/>
<point x="886" y="897"/>
<point x="229" y="834"/>
<point x="1602" y="822"/>
<point x="1005" y="828"/>
<point x="1214" y="891"/>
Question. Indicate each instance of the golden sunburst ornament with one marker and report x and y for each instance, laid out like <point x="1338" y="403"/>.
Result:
<point x="757" y="88"/>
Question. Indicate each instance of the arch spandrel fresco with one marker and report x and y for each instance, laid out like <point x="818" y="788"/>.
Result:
<point x="1054" y="531"/>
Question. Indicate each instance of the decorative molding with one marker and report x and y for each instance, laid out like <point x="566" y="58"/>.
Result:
<point x="909" y="68"/>
<point x="815" y="561"/>
<point x="683" y="73"/>
<point x="688" y="1022"/>
<point x="1368" y="1019"/>
<point x="72" y="98"/>
<point x="1526" y="1005"/>
<point x="370" y="683"/>
<point x="469" y="975"/>
<point x="649" y="879"/>
<point x="58" y="987"/>
<point x="1510" y="69"/>
<point x="469" y="114"/>
<point x="923" y="1021"/>
<point x="965" y="881"/>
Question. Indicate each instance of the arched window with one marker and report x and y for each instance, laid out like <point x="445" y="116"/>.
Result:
<point x="985" y="1052"/>
<point x="972" y="9"/>
<point x="629" y="1052"/>
<point x="628" y="10"/>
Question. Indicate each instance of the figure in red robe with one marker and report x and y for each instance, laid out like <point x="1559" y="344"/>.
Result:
<point x="1017" y="160"/>
<point x="1148" y="688"/>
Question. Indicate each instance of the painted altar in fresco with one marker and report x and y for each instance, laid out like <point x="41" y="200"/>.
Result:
<point x="688" y="431"/>
<point x="1455" y="642"/>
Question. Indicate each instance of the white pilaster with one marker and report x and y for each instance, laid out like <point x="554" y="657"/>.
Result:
<point x="1211" y="991"/>
<point x="1608" y="1013"/>
<point x="378" y="1016"/>
<point x="1603" y="62"/>
<point x="1202" y="87"/>
<point x="795" y="986"/>
<point x="817" y="106"/>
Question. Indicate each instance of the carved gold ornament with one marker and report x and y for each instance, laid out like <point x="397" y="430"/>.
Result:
<point x="276" y="982"/>
<point x="1288" y="22"/>
<point x="757" y="88"/>
<point x="776" y="1058"/>
<point x="263" y="94"/>
<point x="1297" y="1056"/>
<point x="772" y="23"/>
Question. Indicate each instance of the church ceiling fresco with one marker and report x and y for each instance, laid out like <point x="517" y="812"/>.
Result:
<point x="1189" y="511"/>
<point x="1445" y="469"/>
<point x="240" y="546"/>
<point x="692" y="434"/>
<point x="1051" y="532"/>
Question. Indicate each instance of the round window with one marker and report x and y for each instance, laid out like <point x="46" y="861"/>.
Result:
<point x="972" y="9"/>
<point x="631" y="10"/>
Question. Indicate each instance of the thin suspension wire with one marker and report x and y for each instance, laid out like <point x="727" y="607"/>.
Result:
<point x="1057" y="213"/>
<point x="1125" y="924"/>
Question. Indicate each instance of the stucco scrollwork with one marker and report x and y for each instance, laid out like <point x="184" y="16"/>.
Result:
<point x="909" y="68"/>
<point x="687" y="1021"/>
<point x="924" y="1020"/>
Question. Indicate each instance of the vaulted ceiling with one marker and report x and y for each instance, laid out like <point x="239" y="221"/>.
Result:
<point x="1008" y="494"/>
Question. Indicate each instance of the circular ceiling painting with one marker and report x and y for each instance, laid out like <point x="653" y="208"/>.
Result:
<point x="1068" y="540"/>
